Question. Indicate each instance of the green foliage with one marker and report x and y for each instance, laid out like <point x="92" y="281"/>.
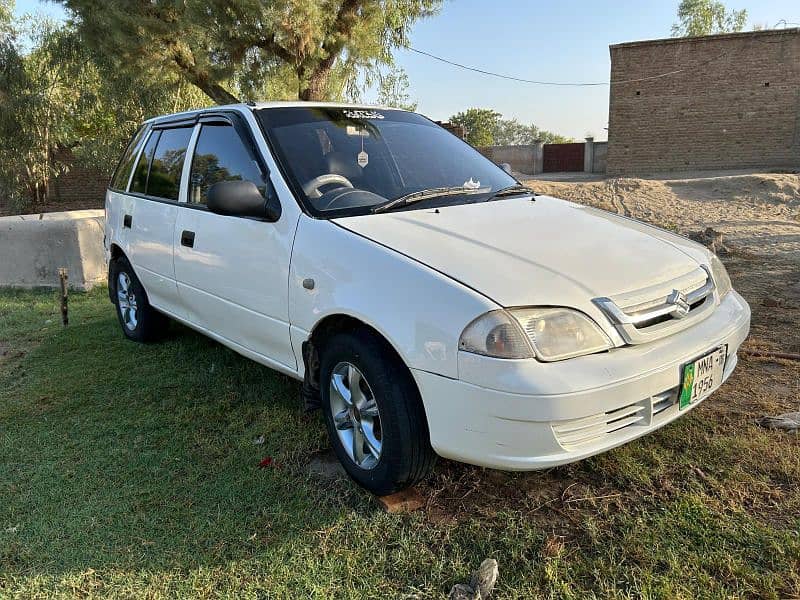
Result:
<point x="486" y="127"/>
<point x="60" y="102"/>
<point x="706" y="17"/>
<point x="479" y="124"/>
<point x="307" y="49"/>
<point x="6" y="16"/>
<point x="393" y="90"/>
<point x="510" y="132"/>
<point x="37" y="103"/>
<point x="114" y="104"/>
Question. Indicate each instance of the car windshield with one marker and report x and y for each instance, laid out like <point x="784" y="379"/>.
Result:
<point x="343" y="161"/>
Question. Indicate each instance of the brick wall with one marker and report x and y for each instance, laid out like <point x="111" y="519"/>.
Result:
<point x="734" y="104"/>
<point x="599" y="157"/>
<point x="79" y="188"/>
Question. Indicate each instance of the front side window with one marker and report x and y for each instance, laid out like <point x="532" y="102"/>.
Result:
<point x="221" y="155"/>
<point x="351" y="161"/>
<point x="164" y="180"/>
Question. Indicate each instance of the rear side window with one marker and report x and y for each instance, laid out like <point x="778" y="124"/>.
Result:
<point x="220" y="155"/>
<point x="119" y="181"/>
<point x="139" y="182"/>
<point x="166" y="166"/>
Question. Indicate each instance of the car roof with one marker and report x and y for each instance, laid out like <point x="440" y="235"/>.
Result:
<point x="265" y="105"/>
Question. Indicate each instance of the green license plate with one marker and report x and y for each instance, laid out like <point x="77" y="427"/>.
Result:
<point x="702" y="376"/>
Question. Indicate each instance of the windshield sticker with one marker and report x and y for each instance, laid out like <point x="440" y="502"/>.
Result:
<point x="363" y="114"/>
<point x="363" y="159"/>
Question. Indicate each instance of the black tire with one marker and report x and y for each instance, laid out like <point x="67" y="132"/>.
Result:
<point x="150" y="325"/>
<point x="406" y="456"/>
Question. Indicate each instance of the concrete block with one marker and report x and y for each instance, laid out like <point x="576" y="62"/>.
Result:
<point x="34" y="247"/>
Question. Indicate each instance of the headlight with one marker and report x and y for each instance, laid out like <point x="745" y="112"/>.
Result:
<point x="559" y="333"/>
<point x="495" y="334"/>
<point x="549" y="334"/>
<point x="721" y="279"/>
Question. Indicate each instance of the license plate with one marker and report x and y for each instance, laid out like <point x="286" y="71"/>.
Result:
<point x="702" y="376"/>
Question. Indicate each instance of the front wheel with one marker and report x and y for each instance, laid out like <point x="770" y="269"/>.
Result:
<point x="374" y="413"/>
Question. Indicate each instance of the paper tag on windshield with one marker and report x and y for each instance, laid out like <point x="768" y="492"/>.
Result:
<point x="472" y="184"/>
<point x="363" y="159"/>
<point x="357" y="131"/>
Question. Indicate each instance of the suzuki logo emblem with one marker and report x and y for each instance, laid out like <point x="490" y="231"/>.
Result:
<point x="678" y="298"/>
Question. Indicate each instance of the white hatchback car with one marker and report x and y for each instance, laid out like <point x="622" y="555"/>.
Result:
<point x="429" y="303"/>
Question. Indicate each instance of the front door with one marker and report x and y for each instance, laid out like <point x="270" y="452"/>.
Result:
<point x="233" y="272"/>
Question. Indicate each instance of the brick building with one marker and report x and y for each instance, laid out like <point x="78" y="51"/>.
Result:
<point x="727" y="101"/>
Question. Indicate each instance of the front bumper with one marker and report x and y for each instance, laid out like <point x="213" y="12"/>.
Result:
<point x="523" y="415"/>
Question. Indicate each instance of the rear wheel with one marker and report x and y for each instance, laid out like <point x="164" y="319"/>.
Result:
<point x="374" y="413"/>
<point x="139" y="321"/>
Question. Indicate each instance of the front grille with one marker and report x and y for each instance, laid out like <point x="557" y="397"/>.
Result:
<point x="664" y="318"/>
<point x="645" y="315"/>
<point x="599" y="429"/>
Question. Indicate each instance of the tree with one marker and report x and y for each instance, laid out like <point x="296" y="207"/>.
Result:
<point x="706" y="17"/>
<point x="479" y="124"/>
<point x="232" y="48"/>
<point x="35" y="105"/>
<point x="60" y="100"/>
<point x="486" y="127"/>
<point x="393" y="90"/>
<point x="510" y="132"/>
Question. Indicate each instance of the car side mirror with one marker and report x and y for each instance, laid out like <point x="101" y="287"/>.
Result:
<point x="243" y="199"/>
<point x="506" y="167"/>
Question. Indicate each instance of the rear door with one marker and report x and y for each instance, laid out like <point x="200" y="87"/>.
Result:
<point x="232" y="272"/>
<point x="156" y="185"/>
<point x="120" y="206"/>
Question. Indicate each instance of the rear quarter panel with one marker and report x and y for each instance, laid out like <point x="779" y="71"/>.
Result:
<point x="118" y="204"/>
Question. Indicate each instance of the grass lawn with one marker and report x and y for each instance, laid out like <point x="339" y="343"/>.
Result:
<point x="130" y="470"/>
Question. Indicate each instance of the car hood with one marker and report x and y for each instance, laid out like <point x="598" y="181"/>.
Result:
<point x="542" y="251"/>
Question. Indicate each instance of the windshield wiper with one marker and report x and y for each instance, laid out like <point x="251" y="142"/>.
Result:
<point x="512" y="190"/>
<point x="425" y="195"/>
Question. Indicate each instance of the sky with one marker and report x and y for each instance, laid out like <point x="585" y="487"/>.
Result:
<point x="563" y="41"/>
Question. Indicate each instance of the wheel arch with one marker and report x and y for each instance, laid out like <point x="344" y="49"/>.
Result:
<point x="115" y="252"/>
<point x="324" y="329"/>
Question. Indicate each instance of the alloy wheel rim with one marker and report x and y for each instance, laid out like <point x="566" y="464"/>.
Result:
<point x="126" y="301"/>
<point x="356" y="415"/>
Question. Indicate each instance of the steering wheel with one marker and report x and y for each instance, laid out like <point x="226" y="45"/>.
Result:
<point x="311" y="188"/>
